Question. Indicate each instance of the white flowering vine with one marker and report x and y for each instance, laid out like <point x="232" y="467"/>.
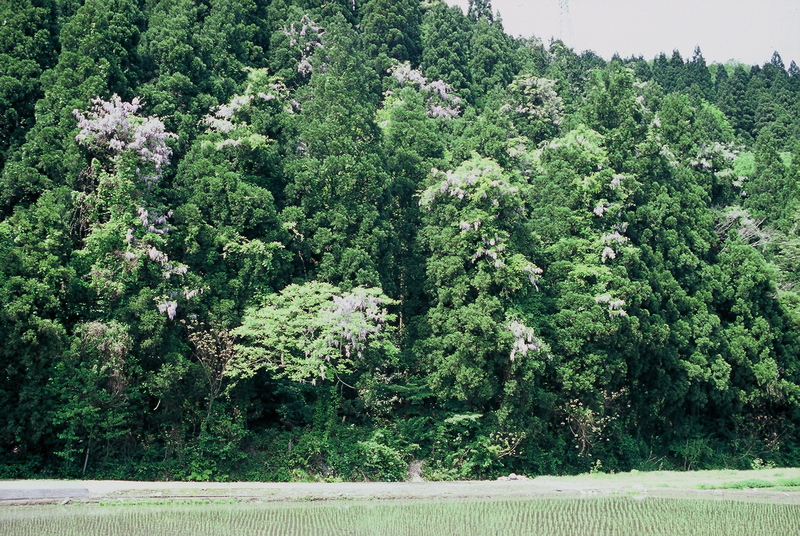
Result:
<point x="114" y="126"/>
<point x="304" y="36"/>
<point x="440" y="100"/>
<point x="525" y="339"/>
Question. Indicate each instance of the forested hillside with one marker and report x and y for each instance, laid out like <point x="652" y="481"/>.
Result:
<point x="298" y="239"/>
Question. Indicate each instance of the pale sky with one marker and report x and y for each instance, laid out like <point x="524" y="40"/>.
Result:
<point x="745" y="30"/>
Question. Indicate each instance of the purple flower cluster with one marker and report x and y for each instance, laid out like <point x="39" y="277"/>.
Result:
<point x="115" y="125"/>
<point x="525" y="339"/>
<point x="535" y="98"/>
<point x="470" y="185"/>
<point x="441" y="101"/>
<point x="169" y="305"/>
<point x="355" y="317"/>
<point x="154" y="221"/>
<point x="306" y="36"/>
<point x="615" y="305"/>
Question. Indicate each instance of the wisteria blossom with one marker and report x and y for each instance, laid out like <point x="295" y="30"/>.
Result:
<point x="441" y="101"/>
<point x="305" y="36"/>
<point x="601" y="208"/>
<point x="749" y="228"/>
<point x="168" y="308"/>
<point x="313" y="331"/>
<point x="611" y="242"/>
<point x="615" y="305"/>
<point x="354" y="317"/>
<point x="114" y="124"/>
<point x="525" y="339"/>
<point x="469" y="185"/>
<point x="230" y="119"/>
<point x="480" y="190"/>
<point x="535" y="98"/>
<point x="155" y="221"/>
<point x="616" y="181"/>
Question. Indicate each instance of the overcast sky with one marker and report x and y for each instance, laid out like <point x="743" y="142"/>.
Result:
<point x="744" y="30"/>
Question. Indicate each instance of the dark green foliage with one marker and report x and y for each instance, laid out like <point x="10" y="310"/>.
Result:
<point x="311" y="239"/>
<point x="99" y="62"/>
<point x="27" y="40"/>
<point x="698" y="77"/>
<point x="446" y="35"/>
<point x="391" y="30"/>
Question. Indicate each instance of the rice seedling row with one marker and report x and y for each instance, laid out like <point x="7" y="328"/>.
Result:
<point x="619" y="515"/>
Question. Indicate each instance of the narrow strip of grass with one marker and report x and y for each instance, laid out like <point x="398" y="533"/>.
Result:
<point x="756" y="484"/>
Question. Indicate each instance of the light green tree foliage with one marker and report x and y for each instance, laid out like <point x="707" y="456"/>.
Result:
<point x="314" y="332"/>
<point x="564" y="66"/>
<point x="759" y="345"/>
<point x="490" y="133"/>
<point x="476" y="346"/>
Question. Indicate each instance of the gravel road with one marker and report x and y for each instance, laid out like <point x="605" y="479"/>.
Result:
<point x="658" y="484"/>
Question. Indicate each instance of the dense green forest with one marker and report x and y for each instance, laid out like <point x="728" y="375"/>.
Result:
<point x="298" y="239"/>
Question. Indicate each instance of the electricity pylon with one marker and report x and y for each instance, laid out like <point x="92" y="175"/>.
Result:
<point x="565" y="20"/>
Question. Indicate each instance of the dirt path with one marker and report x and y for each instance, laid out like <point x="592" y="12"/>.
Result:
<point x="656" y="484"/>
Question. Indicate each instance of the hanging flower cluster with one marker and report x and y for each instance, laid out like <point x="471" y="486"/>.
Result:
<point x="718" y="158"/>
<point x="441" y="101"/>
<point x="749" y="228"/>
<point x="472" y="185"/>
<point x="354" y="318"/>
<point x="535" y="98"/>
<point x="486" y="203"/>
<point x="615" y="305"/>
<point x="312" y="331"/>
<point x="306" y="36"/>
<point x="612" y="241"/>
<point x="493" y="248"/>
<point x="229" y="119"/>
<point x="169" y="306"/>
<point x="525" y="339"/>
<point x="114" y="125"/>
